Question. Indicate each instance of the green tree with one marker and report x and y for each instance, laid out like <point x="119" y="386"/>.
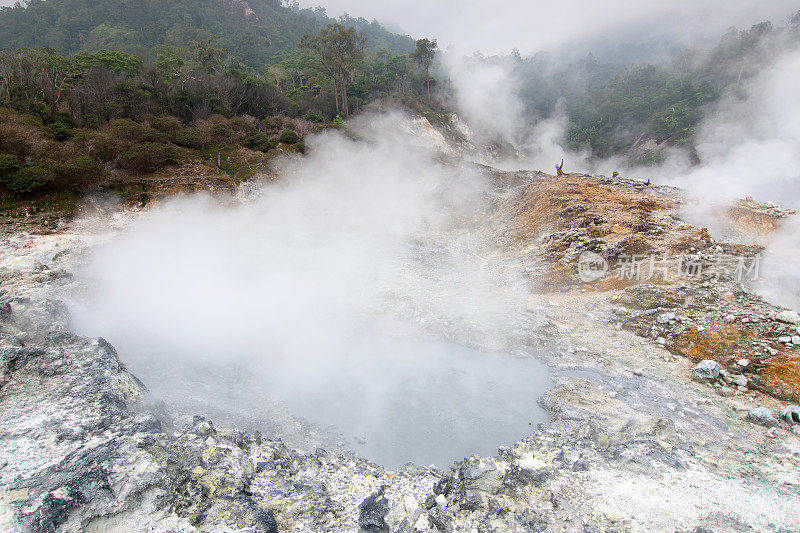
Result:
<point x="54" y="75"/>
<point x="339" y="50"/>
<point x="423" y="56"/>
<point x="113" y="60"/>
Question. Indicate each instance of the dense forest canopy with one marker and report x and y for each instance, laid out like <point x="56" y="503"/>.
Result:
<point x="616" y="109"/>
<point x="125" y="88"/>
<point x="189" y="59"/>
<point x="253" y="32"/>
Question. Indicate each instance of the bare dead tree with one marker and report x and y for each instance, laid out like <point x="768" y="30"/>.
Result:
<point x="615" y="174"/>
<point x="560" y="168"/>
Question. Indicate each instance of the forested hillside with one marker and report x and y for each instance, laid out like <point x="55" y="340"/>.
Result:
<point x="638" y="110"/>
<point x="254" y="32"/>
<point x="120" y="89"/>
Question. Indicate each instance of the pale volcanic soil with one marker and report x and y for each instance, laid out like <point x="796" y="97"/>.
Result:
<point x="634" y="442"/>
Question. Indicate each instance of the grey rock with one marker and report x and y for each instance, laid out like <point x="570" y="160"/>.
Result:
<point x="706" y="370"/>
<point x="372" y="512"/>
<point x="266" y="519"/>
<point x="518" y="475"/>
<point x="202" y="427"/>
<point x="789" y="316"/>
<point x="474" y="499"/>
<point x="481" y="475"/>
<point x="762" y="416"/>
<point x="477" y="469"/>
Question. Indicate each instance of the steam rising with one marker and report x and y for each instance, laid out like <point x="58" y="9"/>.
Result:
<point x="334" y="291"/>
<point x="494" y="27"/>
<point x="748" y="145"/>
<point x="486" y="95"/>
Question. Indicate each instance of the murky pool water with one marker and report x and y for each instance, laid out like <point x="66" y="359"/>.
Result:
<point x="390" y="400"/>
<point x="441" y="402"/>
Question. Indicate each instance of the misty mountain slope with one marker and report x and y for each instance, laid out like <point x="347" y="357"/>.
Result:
<point x="324" y="283"/>
<point x="251" y="31"/>
<point x="611" y="115"/>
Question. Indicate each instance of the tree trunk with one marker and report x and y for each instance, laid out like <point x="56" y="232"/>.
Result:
<point x="560" y="168"/>
<point x="345" y="107"/>
<point x="336" y="95"/>
<point x="428" y="83"/>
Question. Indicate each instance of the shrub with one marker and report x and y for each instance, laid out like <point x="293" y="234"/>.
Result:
<point x="260" y="141"/>
<point x="151" y="135"/>
<point x="54" y="151"/>
<point x="166" y="124"/>
<point x="127" y="129"/>
<point x="217" y="118"/>
<point x="313" y="117"/>
<point x="29" y="180"/>
<point x="289" y="137"/>
<point x="61" y="130"/>
<point x="66" y="118"/>
<point x="91" y="121"/>
<point x="146" y="157"/>
<point x="188" y="137"/>
<point x="241" y="124"/>
<point x="11" y="144"/>
<point x="338" y="121"/>
<point x="269" y="124"/>
<point x="103" y="148"/>
<point x="9" y="163"/>
<point x="221" y="133"/>
<point x="81" y="170"/>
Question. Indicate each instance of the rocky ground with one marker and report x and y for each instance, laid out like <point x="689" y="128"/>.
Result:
<point x="643" y="437"/>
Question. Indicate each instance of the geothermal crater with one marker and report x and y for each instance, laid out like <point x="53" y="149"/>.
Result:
<point x="416" y="352"/>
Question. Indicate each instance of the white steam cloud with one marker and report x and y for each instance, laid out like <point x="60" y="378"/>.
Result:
<point x="486" y="95"/>
<point x="348" y="291"/>
<point x="531" y="26"/>
<point x="750" y="146"/>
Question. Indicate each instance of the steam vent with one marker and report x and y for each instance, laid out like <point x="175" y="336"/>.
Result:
<point x="267" y="266"/>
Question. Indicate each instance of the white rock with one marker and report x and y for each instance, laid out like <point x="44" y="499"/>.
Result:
<point x="785" y="340"/>
<point x="422" y="523"/>
<point x="665" y="318"/>
<point x="740" y="380"/>
<point x="706" y="370"/>
<point x="743" y="362"/>
<point x="790" y="316"/>
<point x="412" y="508"/>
